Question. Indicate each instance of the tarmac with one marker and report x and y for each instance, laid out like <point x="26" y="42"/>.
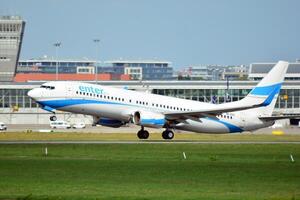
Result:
<point x="128" y="129"/>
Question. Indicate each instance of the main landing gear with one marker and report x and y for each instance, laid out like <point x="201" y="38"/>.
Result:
<point x="53" y="118"/>
<point x="144" y="134"/>
<point x="168" y="134"/>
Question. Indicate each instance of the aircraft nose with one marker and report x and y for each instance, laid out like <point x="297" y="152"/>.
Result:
<point x="33" y="94"/>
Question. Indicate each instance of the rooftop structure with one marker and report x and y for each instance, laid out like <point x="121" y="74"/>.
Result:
<point x="11" y="35"/>
<point x="213" y="72"/>
<point x="259" y="70"/>
<point x="29" y="77"/>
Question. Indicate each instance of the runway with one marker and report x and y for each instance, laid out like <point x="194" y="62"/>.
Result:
<point x="149" y="142"/>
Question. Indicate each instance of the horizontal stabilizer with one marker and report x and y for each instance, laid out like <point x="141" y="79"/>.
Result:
<point x="279" y="117"/>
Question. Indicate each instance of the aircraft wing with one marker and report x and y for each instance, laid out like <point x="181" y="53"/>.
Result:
<point x="244" y="104"/>
<point x="209" y="111"/>
<point x="279" y="117"/>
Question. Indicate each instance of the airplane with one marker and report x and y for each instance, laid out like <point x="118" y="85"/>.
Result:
<point x="115" y="107"/>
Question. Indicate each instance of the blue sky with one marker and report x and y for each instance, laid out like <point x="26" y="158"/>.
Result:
<point x="183" y="32"/>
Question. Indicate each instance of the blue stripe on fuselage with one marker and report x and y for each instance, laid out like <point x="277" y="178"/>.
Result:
<point x="59" y="103"/>
<point x="232" y="128"/>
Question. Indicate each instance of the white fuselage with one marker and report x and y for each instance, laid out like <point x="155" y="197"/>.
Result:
<point x="120" y="104"/>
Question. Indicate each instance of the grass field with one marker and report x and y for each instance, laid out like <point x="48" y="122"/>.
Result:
<point x="150" y="171"/>
<point x="75" y="136"/>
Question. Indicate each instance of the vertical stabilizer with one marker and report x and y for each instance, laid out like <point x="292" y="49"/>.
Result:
<point x="268" y="87"/>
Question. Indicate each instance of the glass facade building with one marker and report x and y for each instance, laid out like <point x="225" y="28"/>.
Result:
<point x="151" y="69"/>
<point x="49" y="66"/>
<point x="288" y="98"/>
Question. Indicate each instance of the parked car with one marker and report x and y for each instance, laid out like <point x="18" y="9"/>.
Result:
<point x="3" y="127"/>
<point x="79" y="125"/>
<point x="59" y="124"/>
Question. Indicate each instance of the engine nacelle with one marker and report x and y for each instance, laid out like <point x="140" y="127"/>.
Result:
<point x="114" y="123"/>
<point x="149" y="119"/>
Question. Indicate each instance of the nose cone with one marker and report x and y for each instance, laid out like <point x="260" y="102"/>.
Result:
<point x="33" y="94"/>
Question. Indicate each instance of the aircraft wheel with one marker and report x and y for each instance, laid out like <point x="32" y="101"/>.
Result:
<point x="167" y="135"/>
<point x="53" y="118"/>
<point x="146" y="134"/>
<point x="143" y="134"/>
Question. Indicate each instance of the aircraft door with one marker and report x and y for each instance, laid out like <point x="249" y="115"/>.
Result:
<point x="243" y="121"/>
<point x="69" y="91"/>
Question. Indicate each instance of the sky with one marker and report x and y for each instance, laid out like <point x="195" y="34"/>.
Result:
<point x="184" y="32"/>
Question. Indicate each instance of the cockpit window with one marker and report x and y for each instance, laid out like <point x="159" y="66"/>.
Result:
<point x="48" y="87"/>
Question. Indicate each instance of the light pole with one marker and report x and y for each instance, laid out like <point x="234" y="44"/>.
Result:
<point x="56" y="45"/>
<point x="97" y="42"/>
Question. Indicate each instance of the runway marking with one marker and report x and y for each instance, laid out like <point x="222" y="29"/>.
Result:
<point x="149" y="142"/>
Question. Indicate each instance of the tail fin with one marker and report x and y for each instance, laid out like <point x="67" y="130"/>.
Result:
<point x="268" y="88"/>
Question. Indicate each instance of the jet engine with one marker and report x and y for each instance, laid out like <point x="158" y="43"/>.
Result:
<point x="149" y="119"/>
<point x="114" y="123"/>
